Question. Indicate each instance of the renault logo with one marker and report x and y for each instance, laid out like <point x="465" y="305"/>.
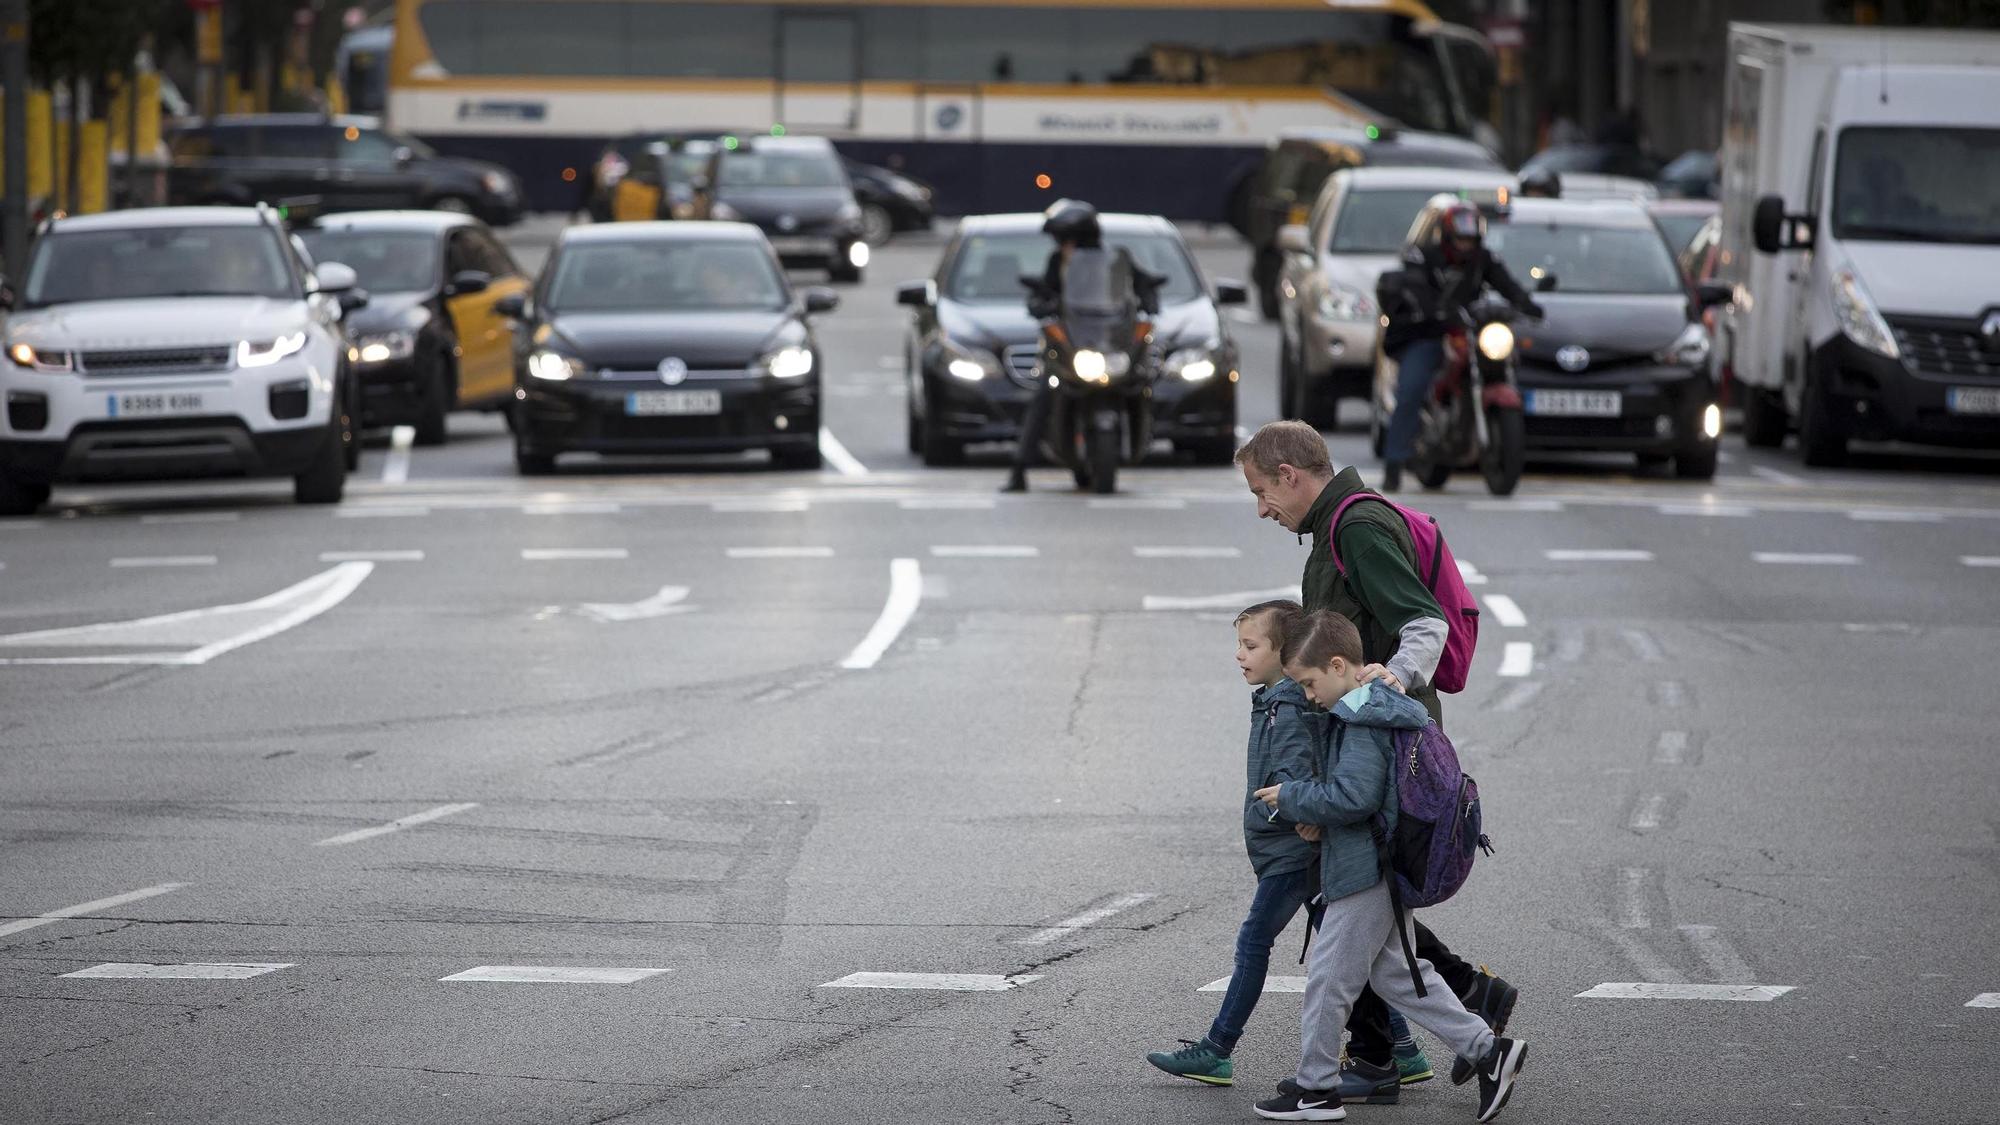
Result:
<point x="1573" y="358"/>
<point x="673" y="371"/>
<point x="1989" y="330"/>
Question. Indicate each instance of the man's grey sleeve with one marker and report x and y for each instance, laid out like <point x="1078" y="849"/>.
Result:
<point x="1420" y="649"/>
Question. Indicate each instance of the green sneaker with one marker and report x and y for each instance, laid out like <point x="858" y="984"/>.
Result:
<point x="1411" y="1065"/>
<point x="1197" y="1060"/>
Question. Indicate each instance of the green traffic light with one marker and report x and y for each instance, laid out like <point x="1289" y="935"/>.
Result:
<point x="1374" y="133"/>
<point x="777" y="130"/>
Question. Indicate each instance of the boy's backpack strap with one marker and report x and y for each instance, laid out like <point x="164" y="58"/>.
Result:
<point x="1403" y="935"/>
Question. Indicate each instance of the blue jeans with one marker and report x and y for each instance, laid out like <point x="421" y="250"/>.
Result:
<point x="1417" y="367"/>
<point x="1277" y="901"/>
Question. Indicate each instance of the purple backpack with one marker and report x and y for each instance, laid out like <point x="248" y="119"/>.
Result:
<point x="1440" y="575"/>
<point x="1438" y="832"/>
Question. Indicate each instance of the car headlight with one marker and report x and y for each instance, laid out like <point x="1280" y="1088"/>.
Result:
<point x="41" y="359"/>
<point x="553" y="366"/>
<point x="1191" y="364"/>
<point x="1857" y="314"/>
<point x="264" y="353"/>
<point x="969" y="364"/>
<point x="1689" y="349"/>
<point x="383" y="347"/>
<point x="1496" y="341"/>
<point x="789" y="362"/>
<point x="857" y="255"/>
<point x="496" y="182"/>
<point x="723" y="212"/>
<point x="1340" y="302"/>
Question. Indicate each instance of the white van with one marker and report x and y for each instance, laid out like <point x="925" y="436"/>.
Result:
<point x="1863" y="168"/>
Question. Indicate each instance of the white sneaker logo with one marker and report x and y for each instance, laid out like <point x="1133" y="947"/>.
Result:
<point x="1312" y="1105"/>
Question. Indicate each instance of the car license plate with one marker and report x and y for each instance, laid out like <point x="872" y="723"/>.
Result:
<point x="673" y="402"/>
<point x="152" y="404"/>
<point x="1973" y="400"/>
<point x="1576" y="404"/>
<point x="800" y="246"/>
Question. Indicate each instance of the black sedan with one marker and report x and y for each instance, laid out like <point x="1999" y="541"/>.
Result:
<point x="1621" y="361"/>
<point x="891" y="203"/>
<point x="971" y="352"/>
<point x="656" y="338"/>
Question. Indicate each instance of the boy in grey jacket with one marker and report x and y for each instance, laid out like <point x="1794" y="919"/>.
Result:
<point x="1353" y="793"/>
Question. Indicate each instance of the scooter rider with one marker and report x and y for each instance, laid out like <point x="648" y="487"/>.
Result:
<point x="1542" y="183"/>
<point x="1073" y="224"/>
<point x="1437" y="281"/>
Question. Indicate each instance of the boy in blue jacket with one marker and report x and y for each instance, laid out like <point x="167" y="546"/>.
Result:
<point x="1354" y="791"/>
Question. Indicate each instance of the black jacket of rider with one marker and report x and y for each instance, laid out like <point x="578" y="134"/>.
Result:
<point x="1432" y="290"/>
<point x="1047" y="301"/>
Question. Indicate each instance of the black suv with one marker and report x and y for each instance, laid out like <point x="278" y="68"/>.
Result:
<point x="347" y="163"/>
<point x="796" y="191"/>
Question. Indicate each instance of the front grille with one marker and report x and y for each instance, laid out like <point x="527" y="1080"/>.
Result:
<point x="155" y="361"/>
<point x="1945" y="347"/>
<point x="1023" y="361"/>
<point x="652" y="374"/>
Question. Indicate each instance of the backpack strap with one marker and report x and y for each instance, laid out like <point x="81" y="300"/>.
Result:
<point x="1333" y="528"/>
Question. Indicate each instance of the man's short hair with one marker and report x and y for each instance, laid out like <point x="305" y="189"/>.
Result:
<point x="1321" y="637"/>
<point x="1279" y="619"/>
<point x="1286" y="443"/>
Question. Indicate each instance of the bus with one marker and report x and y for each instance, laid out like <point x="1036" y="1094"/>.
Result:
<point x="1155" y="106"/>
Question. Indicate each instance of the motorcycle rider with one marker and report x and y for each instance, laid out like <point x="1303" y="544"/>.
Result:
<point x="1074" y="225"/>
<point x="1542" y="183"/>
<point x="1426" y="298"/>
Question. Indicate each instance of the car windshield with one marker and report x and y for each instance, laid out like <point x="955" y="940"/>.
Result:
<point x="1917" y="185"/>
<point x="1377" y="222"/>
<point x="666" y="276"/>
<point x="164" y="261"/>
<point x="781" y="170"/>
<point x="1680" y="229"/>
<point x="988" y="267"/>
<point x="384" y="261"/>
<point x="1587" y="258"/>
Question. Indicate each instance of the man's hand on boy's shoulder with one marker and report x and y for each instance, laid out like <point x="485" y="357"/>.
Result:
<point x="1268" y="795"/>
<point x="1307" y="832"/>
<point x="1375" y="672"/>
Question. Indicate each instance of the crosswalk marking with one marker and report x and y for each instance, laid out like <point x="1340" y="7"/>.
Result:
<point x="753" y="506"/>
<point x="1513" y="506"/>
<point x="986" y="551"/>
<point x="165" y="560"/>
<point x="1517" y="659"/>
<point x="573" y="554"/>
<point x="1639" y="990"/>
<point x="398" y="825"/>
<point x="780" y="552"/>
<point x="1594" y="554"/>
<point x="1505" y="611"/>
<point x="1470" y="573"/>
<point x="1726" y="511"/>
<point x="571" y="508"/>
<point x="943" y="982"/>
<point x="1090" y="917"/>
<point x="1981" y="561"/>
<point x="947" y="504"/>
<point x="82" y="909"/>
<point x="1894" y="515"/>
<point x="1984" y="1000"/>
<point x="1799" y="558"/>
<point x="199" y="970"/>
<point x="1271" y="984"/>
<point x="1187" y="552"/>
<point x="551" y="974"/>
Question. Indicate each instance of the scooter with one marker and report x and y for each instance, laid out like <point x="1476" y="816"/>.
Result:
<point x="1473" y="415"/>
<point x="1097" y="353"/>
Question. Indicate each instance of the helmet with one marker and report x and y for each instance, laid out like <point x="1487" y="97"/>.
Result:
<point x="1542" y="183"/>
<point x="1072" y="220"/>
<point x="1461" y="220"/>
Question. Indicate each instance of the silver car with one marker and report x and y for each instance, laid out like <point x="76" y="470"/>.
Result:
<point x="175" y="342"/>
<point x="1328" y="324"/>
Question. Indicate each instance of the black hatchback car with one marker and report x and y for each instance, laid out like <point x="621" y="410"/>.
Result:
<point x="796" y="191"/>
<point x="346" y="163"/>
<point x="971" y="354"/>
<point x="659" y="338"/>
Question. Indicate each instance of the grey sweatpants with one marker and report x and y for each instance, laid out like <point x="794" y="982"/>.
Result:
<point x="1357" y="946"/>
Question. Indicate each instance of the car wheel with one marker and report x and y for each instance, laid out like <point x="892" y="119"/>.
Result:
<point x="533" y="464"/>
<point x="1764" y="421"/>
<point x="1820" y="438"/>
<point x="456" y="204"/>
<point x="938" y="448"/>
<point x="325" y="479"/>
<point x="797" y="457"/>
<point x="436" y="396"/>
<point x="20" y="497"/>
<point x="1431" y="474"/>
<point x="877" y="225"/>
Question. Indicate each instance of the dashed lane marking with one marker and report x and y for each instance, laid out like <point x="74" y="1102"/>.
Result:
<point x="1777" y="476"/>
<point x="397" y="825"/>
<point x="1792" y="558"/>
<point x="836" y="454"/>
<point x="986" y="551"/>
<point x="780" y="552"/>
<point x="1627" y="941"/>
<point x="164" y="561"/>
<point x="906" y="590"/>
<point x="1470" y="573"/>
<point x="760" y="505"/>
<point x="1271" y="984"/>
<point x="1614" y="554"/>
<point x="1639" y="990"/>
<point x="1980" y="561"/>
<point x="1632" y="914"/>
<point x="1671" y="749"/>
<point x="82" y="909"/>
<point x="1219" y="601"/>
<point x="1513" y="506"/>
<point x="1895" y="515"/>
<point x="396" y="466"/>
<point x="1517" y="659"/>
<point x="1091" y="917"/>
<point x="947" y="504"/>
<point x="1670" y="693"/>
<point x="935" y="982"/>
<point x="169" y="518"/>
<point x="1647" y="813"/>
<point x="1724" y="511"/>
<point x="1187" y="552"/>
<point x="551" y="974"/>
<point x="571" y="508"/>
<point x="198" y="970"/>
<point x="370" y="556"/>
<point x="573" y="554"/>
<point x="1984" y="1000"/>
<point x="1716" y="952"/>
<point x="1505" y="611"/>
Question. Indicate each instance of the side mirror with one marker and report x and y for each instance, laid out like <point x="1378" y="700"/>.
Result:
<point x="403" y="156"/>
<point x="820" y="299"/>
<point x="466" y="282"/>
<point x="351" y="299"/>
<point x="333" y="277"/>
<point x="1773" y="230"/>
<point x="1293" y="239"/>
<point x="917" y="294"/>
<point x="1229" y="291"/>
<point x="1546" y="283"/>
<point x="1712" y="293"/>
<point x="513" y="306"/>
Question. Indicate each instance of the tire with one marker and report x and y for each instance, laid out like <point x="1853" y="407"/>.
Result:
<point x="937" y="448"/>
<point x="437" y="403"/>
<point x="1100" y="449"/>
<point x="1431" y="474"/>
<point x="533" y="464"/>
<point x="325" y="479"/>
<point x="1764" y="421"/>
<point x="1697" y="462"/>
<point x="20" y="497"/>
<point x="797" y="457"/>
<point x="877" y="225"/>
<point x="1821" y="441"/>
<point x="1506" y="450"/>
<point x="456" y="204"/>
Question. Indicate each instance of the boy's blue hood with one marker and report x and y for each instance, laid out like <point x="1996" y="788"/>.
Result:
<point x="1284" y="691"/>
<point x="1378" y="705"/>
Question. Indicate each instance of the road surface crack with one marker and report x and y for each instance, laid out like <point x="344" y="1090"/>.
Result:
<point x="1022" y="1073"/>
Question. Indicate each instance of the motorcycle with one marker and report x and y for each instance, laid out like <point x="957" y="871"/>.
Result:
<point x="1473" y="414"/>
<point x="1097" y="353"/>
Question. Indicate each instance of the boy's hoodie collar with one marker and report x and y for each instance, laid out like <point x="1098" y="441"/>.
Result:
<point x="1284" y="691"/>
<point x="1376" y="704"/>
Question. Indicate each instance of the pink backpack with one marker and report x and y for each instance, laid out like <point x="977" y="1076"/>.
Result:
<point x="1440" y="575"/>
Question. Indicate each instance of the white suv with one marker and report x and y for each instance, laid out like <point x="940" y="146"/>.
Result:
<point x="175" y="342"/>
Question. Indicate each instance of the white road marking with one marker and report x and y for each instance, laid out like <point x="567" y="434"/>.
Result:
<point x="1716" y="952"/>
<point x="1646" y="814"/>
<point x="1671" y="749"/>
<point x="1187" y="552"/>
<point x="1271" y="984"/>
<point x="1729" y="511"/>
<point x="1777" y="476"/>
<point x="986" y="551"/>
<point x="1220" y="601"/>
<point x="1647" y="991"/>
<point x="1894" y="515"/>
<point x="1984" y="1000"/>
<point x="837" y="455"/>
<point x="1983" y="561"/>
<point x="1505" y="611"/>
<point x="1598" y="555"/>
<point x="370" y="556"/>
<point x="396" y="466"/>
<point x="780" y="552"/>
<point x="198" y="970"/>
<point x="1670" y="693"/>
<point x="1518" y="696"/>
<point x="165" y="560"/>
<point x="385" y="512"/>
<point x="1789" y="558"/>
<point x="663" y="604"/>
<point x="571" y="508"/>
<point x="947" y="504"/>
<point x="1091" y="917"/>
<point x="397" y="825"/>
<point x="1136" y="503"/>
<point x="1632" y="884"/>
<point x="1638" y="952"/>
<point x="775" y="504"/>
<point x="1642" y="645"/>
<point x="551" y="974"/>
<point x="1517" y="659"/>
<point x="1878" y="627"/>
<point x="191" y="517"/>
<point x="571" y="554"/>
<point x="82" y="909"/>
<point x="935" y="982"/>
<point x="1470" y="573"/>
<point x="906" y="590"/>
<point x="296" y="604"/>
<point x="1513" y="506"/>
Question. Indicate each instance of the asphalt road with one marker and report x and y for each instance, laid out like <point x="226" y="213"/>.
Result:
<point x="745" y="733"/>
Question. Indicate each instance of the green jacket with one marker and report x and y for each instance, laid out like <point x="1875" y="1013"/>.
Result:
<point x="1381" y="591"/>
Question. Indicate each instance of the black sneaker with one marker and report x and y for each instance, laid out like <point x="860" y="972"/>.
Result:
<point x="1491" y="999"/>
<point x="1392" y="476"/>
<point x="1017" y="481"/>
<point x="1497" y="1074"/>
<point x="1294" y="1103"/>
